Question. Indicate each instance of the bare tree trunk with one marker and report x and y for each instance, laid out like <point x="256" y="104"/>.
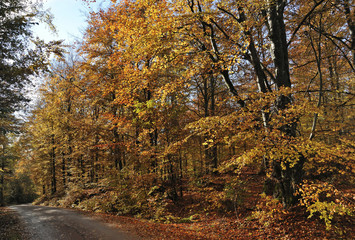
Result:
<point x="284" y="180"/>
<point x="318" y="56"/>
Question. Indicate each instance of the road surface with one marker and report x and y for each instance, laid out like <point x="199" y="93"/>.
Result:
<point x="47" y="223"/>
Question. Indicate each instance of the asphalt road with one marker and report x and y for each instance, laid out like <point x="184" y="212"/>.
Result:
<point x="47" y="223"/>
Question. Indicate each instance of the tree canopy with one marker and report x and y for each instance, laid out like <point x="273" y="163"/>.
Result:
<point x="21" y="59"/>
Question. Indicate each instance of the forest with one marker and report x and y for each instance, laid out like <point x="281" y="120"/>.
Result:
<point x="183" y="111"/>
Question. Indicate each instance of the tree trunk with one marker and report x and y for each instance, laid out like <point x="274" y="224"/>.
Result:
<point x="2" y="202"/>
<point x="284" y="180"/>
<point x="53" y="168"/>
<point x="349" y="11"/>
<point x="64" y="172"/>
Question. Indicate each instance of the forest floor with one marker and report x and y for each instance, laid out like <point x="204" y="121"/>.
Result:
<point x="200" y="215"/>
<point x="293" y="226"/>
<point x="11" y="227"/>
<point x="241" y="223"/>
<point x="193" y="218"/>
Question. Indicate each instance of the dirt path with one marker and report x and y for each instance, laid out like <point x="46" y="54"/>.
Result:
<point x="59" y="224"/>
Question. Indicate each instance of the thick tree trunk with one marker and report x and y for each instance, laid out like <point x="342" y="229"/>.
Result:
<point x="284" y="180"/>
<point x="278" y="43"/>
<point x="209" y="106"/>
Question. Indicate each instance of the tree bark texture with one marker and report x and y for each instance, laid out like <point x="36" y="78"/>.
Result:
<point x="284" y="180"/>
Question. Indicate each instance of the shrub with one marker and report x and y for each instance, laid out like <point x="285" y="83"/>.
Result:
<point x="268" y="210"/>
<point x="325" y="201"/>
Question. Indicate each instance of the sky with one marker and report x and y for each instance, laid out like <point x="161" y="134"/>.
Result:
<point x="69" y="19"/>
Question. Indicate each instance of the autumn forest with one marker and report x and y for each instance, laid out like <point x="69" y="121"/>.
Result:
<point x="187" y="110"/>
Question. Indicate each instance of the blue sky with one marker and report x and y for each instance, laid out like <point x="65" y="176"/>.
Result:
<point x="69" y="18"/>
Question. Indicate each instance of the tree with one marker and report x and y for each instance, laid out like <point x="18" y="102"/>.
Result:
<point x="227" y="85"/>
<point x="21" y="58"/>
<point x="15" y="66"/>
<point x="15" y="58"/>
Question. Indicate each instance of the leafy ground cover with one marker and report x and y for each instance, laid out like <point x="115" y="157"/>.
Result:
<point x="11" y="227"/>
<point x="292" y="226"/>
<point x="203" y="213"/>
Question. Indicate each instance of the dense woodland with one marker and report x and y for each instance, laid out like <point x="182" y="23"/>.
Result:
<point x="168" y="101"/>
